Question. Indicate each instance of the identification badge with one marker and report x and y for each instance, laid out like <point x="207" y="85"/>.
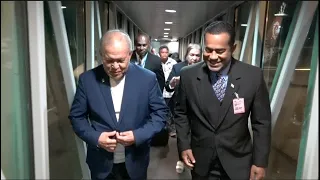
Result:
<point x="238" y="105"/>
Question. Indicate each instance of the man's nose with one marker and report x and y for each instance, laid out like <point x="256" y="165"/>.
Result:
<point x="213" y="55"/>
<point x="115" y="66"/>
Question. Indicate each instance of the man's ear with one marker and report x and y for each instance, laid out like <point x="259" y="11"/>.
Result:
<point x="130" y="54"/>
<point x="233" y="48"/>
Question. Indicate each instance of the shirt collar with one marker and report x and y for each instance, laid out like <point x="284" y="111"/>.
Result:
<point x="138" y="57"/>
<point x="225" y="71"/>
<point x="169" y="61"/>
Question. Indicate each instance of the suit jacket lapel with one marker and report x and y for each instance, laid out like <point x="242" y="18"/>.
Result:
<point x="232" y="87"/>
<point x="128" y="91"/>
<point x="205" y="94"/>
<point x="147" y="65"/>
<point x="104" y="85"/>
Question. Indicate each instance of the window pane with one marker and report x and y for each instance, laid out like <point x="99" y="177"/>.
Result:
<point x="16" y="116"/>
<point x="240" y="20"/>
<point x="128" y="27"/>
<point x="74" y="18"/>
<point x="119" y="19"/>
<point x="200" y="35"/>
<point x="104" y="7"/>
<point x="287" y="132"/>
<point x="277" y="28"/>
<point x="63" y="153"/>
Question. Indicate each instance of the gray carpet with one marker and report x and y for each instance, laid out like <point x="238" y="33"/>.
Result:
<point x="163" y="162"/>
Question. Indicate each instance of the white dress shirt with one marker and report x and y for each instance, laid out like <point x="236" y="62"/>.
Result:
<point x="116" y="88"/>
<point x="167" y="67"/>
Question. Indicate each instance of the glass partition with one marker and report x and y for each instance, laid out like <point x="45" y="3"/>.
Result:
<point x="16" y="114"/>
<point x="63" y="153"/>
<point x="280" y="16"/>
<point x="240" y="23"/>
<point x="287" y="132"/>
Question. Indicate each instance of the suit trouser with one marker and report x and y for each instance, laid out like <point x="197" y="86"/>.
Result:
<point x="216" y="172"/>
<point x="119" y="172"/>
<point x="170" y="120"/>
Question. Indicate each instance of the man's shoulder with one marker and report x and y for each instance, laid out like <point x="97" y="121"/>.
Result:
<point x="140" y="71"/>
<point x="153" y="57"/>
<point x="192" y="68"/>
<point x="172" y="61"/>
<point x="180" y="65"/>
<point x="246" y="68"/>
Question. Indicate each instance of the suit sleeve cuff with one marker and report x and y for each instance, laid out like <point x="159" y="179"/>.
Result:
<point x="94" y="138"/>
<point x="260" y="163"/>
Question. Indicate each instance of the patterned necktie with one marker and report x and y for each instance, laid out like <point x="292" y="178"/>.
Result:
<point x="220" y="87"/>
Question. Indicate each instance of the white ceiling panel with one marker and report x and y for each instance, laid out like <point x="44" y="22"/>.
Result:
<point x="150" y="15"/>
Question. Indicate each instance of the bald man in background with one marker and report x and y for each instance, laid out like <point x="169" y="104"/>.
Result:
<point x="124" y="113"/>
<point x="146" y="59"/>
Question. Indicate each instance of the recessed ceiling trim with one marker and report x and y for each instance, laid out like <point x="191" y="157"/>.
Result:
<point x="225" y="11"/>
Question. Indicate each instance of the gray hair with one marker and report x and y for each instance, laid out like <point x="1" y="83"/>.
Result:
<point x="106" y="38"/>
<point x="190" y="47"/>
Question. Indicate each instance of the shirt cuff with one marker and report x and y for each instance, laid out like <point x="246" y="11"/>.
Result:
<point x="170" y="87"/>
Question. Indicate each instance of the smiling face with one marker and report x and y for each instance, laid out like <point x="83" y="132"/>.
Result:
<point x="218" y="51"/>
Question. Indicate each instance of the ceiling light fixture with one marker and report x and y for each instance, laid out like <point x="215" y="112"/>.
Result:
<point x="244" y="25"/>
<point x="166" y="29"/>
<point x="165" y="33"/>
<point x="165" y="36"/>
<point x="168" y="22"/>
<point x="63" y="7"/>
<point x="281" y="14"/>
<point x="170" y="10"/>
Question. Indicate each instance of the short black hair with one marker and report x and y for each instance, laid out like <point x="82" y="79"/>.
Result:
<point x="163" y="47"/>
<point x="218" y="27"/>
<point x="175" y="55"/>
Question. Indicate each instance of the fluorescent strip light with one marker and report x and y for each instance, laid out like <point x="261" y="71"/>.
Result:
<point x="166" y="29"/>
<point x="165" y="36"/>
<point x="244" y="25"/>
<point x="63" y="7"/>
<point x="165" y="33"/>
<point x="280" y="14"/>
<point x="168" y="22"/>
<point x="170" y="10"/>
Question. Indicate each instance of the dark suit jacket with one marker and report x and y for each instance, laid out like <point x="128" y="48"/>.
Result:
<point x="143" y="110"/>
<point x="174" y="72"/>
<point x="215" y="130"/>
<point x="153" y="63"/>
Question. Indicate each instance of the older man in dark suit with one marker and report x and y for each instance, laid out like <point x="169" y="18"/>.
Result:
<point x="124" y="113"/>
<point x="214" y="102"/>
